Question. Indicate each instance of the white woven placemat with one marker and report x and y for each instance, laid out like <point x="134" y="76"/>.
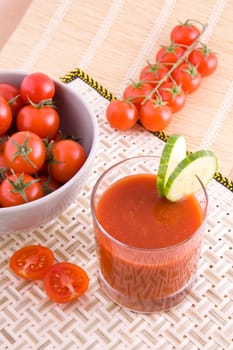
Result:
<point x="204" y="320"/>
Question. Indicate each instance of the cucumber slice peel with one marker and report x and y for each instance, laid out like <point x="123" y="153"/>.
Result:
<point x="173" y="153"/>
<point x="183" y="180"/>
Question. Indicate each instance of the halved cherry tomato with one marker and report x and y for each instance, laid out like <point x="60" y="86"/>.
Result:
<point x="36" y="87"/>
<point x="25" y="152"/>
<point x="65" y="282"/>
<point x="188" y="77"/>
<point x="204" y="59"/>
<point x="32" y="262"/>
<point x="169" y="54"/>
<point x="185" y="33"/>
<point x="136" y="92"/>
<point x="122" y="115"/>
<point x="173" y="94"/>
<point x="67" y="157"/>
<point x="155" y="115"/>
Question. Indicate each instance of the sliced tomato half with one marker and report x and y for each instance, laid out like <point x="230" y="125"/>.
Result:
<point x="65" y="282"/>
<point x="32" y="262"/>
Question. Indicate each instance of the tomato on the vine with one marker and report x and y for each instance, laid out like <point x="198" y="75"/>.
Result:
<point x="19" y="188"/>
<point x="153" y="73"/>
<point x="36" y="87"/>
<point x="169" y="54"/>
<point x="188" y="77"/>
<point x="32" y="262"/>
<point x="155" y="115"/>
<point x="173" y="94"/>
<point x="136" y="92"/>
<point x="25" y="152"/>
<point x="66" y="159"/>
<point x="65" y="282"/>
<point x="185" y="33"/>
<point x="204" y="59"/>
<point x="12" y="94"/>
<point x="5" y="115"/>
<point x="122" y="115"/>
<point x="41" y="120"/>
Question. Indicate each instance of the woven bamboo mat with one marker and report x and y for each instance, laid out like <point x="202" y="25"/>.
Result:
<point x="202" y="321"/>
<point x="110" y="41"/>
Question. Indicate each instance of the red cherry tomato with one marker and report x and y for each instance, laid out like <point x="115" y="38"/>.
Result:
<point x="188" y="77"/>
<point x="169" y="54"/>
<point x="5" y="115"/>
<point x="36" y="87"/>
<point x="173" y="94"/>
<point x="12" y="94"/>
<point x="153" y="73"/>
<point x="43" y="121"/>
<point x="48" y="184"/>
<point x="25" y="152"/>
<point x="65" y="282"/>
<point x="204" y="59"/>
<point x="32" y="262"/>
<point x="155" y="116"/>
<point x="18" y="189"/>
<point x="67" y="157"/>
<point x="185" y="33"/>
<point x="122" y="115"/>
<point x="137" y="92"/>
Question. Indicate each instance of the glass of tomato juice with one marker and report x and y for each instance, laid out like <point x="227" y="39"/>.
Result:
<point x="147" y="246"/>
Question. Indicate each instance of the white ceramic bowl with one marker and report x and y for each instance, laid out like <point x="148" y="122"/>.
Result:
<point x="76" y="119"/>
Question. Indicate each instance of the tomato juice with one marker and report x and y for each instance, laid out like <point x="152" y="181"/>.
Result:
<point x="148" y="247"/>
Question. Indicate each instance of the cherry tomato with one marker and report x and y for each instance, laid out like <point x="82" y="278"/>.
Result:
<point x="204" y="59"/>
<point x="169" y="54"/>
<point x="3" y="139"/>
<point x="122" y="115"/>
<point x="153" y="73"/>
<point x="12" y="94"/>
<point x="32" y="262"/>
<point x="4" y="170"/>
<point x="65" y="282"/>
<point x="43" y="121"/>
<point x="67" y="157"/>
<point x="137" y="92"/>
<point x="173" y="94"/>
<point x="25" y="152"/>
<point x="188" y="77"/>
<point x="5" y="115"/>
<point x="155" y="116"/>
<point x="185" y="33"/>
<point x="48" y="184"/>
<point x="36" y="87"/>
<point x="19" y="188"/>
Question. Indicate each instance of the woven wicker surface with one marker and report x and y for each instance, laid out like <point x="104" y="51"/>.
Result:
<point x="111" y="45"/>
<point x="202" y="321"/>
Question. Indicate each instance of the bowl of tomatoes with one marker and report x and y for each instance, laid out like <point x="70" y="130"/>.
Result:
<point x="48" y="138"/>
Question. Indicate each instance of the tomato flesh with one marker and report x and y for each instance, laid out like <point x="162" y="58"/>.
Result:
<point x="65" y="282"/>
<point x="32" y="262"/>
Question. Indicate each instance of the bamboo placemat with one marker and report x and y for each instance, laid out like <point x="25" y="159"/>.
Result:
<point x="202" y="321"/>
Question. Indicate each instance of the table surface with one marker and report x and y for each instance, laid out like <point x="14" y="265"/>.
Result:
<point x="107" y="43"/>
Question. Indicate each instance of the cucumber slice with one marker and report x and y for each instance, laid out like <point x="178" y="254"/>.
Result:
<point x="173" y="153"/>
<point x="183" y="180"/>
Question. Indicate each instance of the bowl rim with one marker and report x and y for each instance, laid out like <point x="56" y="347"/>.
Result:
<point x="63" y="187"/>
